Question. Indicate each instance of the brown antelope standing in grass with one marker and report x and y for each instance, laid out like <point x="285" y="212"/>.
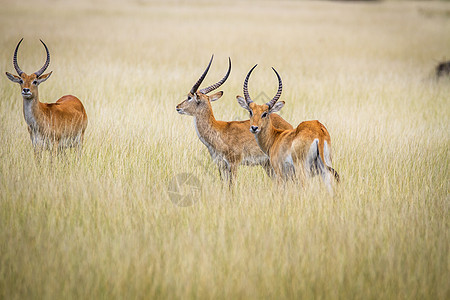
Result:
<point x="294" y="153"/>
<point x="52" y="126"/>
<point x="228" y="143"/>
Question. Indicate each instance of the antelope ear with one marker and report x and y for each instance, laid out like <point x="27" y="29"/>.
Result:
<point x="242" y="102"/>
<point x="13" y="77"/>
<point x="216" y="96"/>
<point x="195" y="97"/>
<point x="44" y="77"/>
<point x="277" y="107"/>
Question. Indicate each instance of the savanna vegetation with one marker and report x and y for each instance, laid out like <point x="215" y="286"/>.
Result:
<point x="109" y="226"/>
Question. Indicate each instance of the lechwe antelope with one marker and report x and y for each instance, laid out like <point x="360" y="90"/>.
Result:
<point x="294" y="153"/>
<point x="52" y="126"/>
<point x="229" y="143"/>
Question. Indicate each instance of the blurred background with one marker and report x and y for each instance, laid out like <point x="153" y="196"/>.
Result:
<point x="105" y="227"/>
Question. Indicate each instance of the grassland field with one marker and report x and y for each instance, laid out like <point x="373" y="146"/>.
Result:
<point x="105" y="227"/>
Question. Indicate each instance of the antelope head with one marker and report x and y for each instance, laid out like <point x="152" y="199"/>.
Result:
<point x="29" y="83"/>
<point x="197" y="100"/>
<point x="259" y="114"/>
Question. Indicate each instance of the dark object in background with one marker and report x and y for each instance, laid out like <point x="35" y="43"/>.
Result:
<point x="443" y="69"/>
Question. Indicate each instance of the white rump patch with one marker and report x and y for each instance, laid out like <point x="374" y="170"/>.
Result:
<point x="315" y="166"/>
<point x="327" y="154"/>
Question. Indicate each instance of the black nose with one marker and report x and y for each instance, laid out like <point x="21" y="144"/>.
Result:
<point x="253" y="128"/>
<point x="26" y="90"/>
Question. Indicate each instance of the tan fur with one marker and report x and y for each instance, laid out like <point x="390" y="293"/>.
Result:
<point x="53" y="126"/>
<point x="229" y="143"/>
<point x="62" y="119"/>
<point x="281" y="145"/>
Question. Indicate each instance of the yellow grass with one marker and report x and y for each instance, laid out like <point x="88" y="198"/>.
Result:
<point x="106" y="228"/>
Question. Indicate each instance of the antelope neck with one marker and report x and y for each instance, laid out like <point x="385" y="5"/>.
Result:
<point x="206" y="126"/>
<point x="31" y="112"/>
<point x="266" y="137"/>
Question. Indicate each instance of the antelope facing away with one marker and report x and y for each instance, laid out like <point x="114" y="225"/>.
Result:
<point x="52" y="126"/>
<point x="228" y="143"/>
<point x="294" y="153"/>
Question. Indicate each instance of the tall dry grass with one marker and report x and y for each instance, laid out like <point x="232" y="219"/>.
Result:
<point x="105" y="227"/>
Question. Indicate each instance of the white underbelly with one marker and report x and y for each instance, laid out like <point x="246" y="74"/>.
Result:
<point x="40" y="141"/>
<point x="255" y="160"/>
<point x="70" y="141"/>
<point x="289" y="167"/>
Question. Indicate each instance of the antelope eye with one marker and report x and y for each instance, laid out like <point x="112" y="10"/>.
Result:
<point x="264" y="115"/>
<point x="20" y="81"/>
<point x="35" y="82"/>
<point x="251" y="114"/>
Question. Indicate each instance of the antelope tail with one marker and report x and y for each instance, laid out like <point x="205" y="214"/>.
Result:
<point x="327" y="158"/>
<point x="335" y="174"/>
<point x="315" y="165"/>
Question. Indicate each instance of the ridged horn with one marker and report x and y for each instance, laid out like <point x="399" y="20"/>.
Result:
<point x="246" y="94"/>
<point x="200" y="80"/>
<point x="274" y="100"/>
<point x="47" y="62"/>
<point x="218" y="84"/>
<point x="16" y="65"/>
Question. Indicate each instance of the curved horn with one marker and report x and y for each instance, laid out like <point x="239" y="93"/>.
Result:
<point x="47" y="62"/>
<point x="280" y="88"/>
<point x="218" y="84"/>
<point x="246" y="94"/>
<point x="200" y="80"/>
<point x="16" y="66"/>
